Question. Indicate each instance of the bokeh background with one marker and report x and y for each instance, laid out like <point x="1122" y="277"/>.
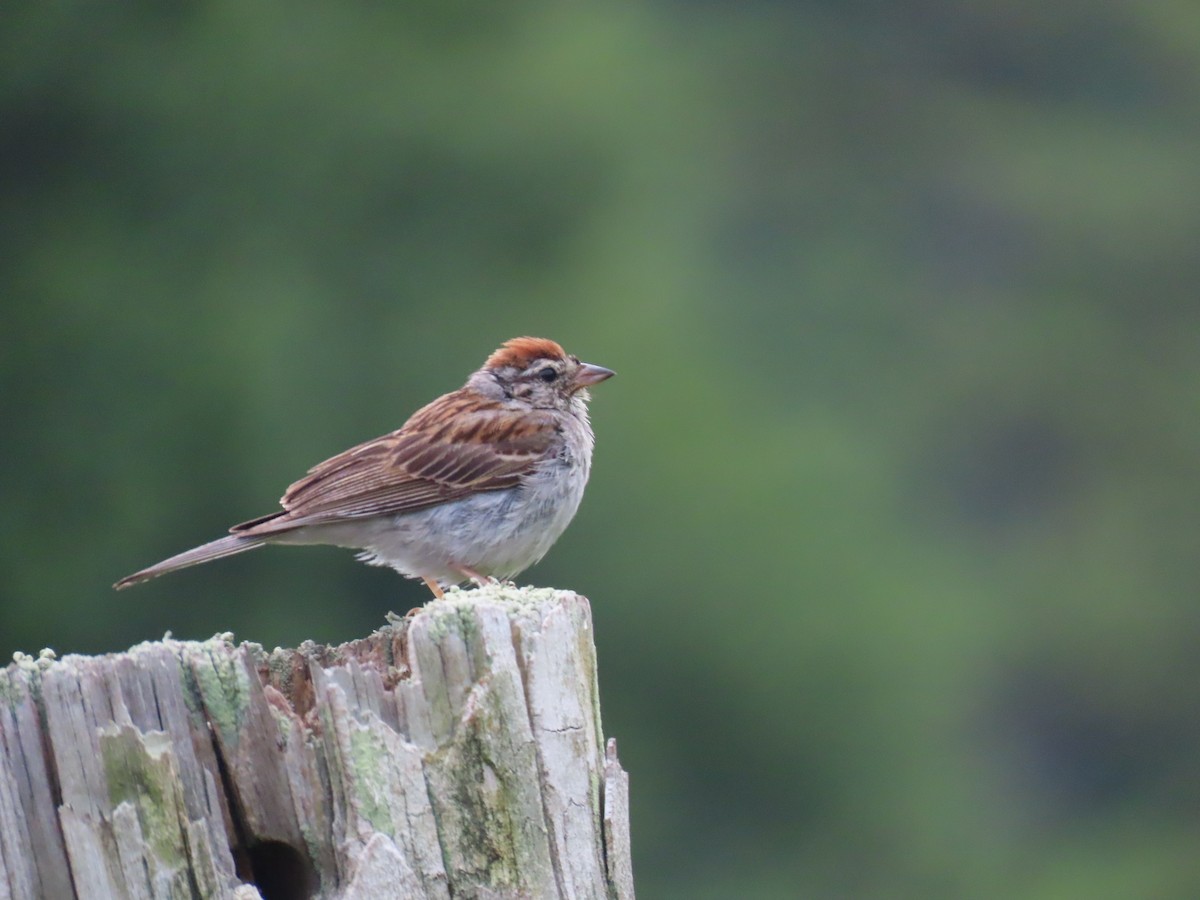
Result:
<point x="892" y="534"/>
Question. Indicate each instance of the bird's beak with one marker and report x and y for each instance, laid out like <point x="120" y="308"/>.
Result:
<point x="588" y="374"/>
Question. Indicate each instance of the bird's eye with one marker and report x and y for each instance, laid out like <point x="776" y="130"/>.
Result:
<point x="548" y="374"/>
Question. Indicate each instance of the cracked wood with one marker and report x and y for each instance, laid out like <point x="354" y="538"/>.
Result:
<point x="454" y="753"/>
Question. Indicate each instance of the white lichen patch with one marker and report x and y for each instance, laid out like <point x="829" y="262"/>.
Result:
<point x="504" y="593"/>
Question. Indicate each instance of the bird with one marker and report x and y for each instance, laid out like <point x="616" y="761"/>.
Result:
<point x="475" y="486"/>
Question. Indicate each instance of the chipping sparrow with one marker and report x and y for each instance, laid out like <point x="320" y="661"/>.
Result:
<point x="477" y="485"/>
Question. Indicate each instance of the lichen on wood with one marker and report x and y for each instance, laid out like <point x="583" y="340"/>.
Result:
<point x="456" y="752"/>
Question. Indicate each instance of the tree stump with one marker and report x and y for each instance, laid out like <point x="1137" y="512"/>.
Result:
<point x="456" y="752"/>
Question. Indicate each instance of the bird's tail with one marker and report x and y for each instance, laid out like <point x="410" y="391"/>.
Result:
<point x="221" y="547"/>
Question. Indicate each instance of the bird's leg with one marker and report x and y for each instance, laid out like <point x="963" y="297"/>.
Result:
<point x="433" y="586"/>
<point x="480" y="580"/>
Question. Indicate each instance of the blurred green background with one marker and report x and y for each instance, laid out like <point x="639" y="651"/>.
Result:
<point x="892" y="534"/>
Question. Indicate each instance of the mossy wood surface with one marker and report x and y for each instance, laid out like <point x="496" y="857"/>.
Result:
<point x="456" y="753"/>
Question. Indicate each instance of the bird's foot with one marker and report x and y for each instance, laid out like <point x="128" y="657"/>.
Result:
<point x="480" y="580"/>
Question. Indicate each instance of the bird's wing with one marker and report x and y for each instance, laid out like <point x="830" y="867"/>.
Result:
<point x="456" y="446"/>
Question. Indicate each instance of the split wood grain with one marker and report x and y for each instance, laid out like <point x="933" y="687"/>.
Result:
<point x="454" y="753"/>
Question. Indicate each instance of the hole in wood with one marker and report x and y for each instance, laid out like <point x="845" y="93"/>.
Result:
<point x="281" y="872"/>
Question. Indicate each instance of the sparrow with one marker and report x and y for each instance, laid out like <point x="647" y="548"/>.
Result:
<point x="477" y="485"/>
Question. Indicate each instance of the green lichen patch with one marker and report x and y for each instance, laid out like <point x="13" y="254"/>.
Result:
<point x="209" y="884"/>
<point x="451" y="616"/>
<point x="140" y="770"/>
<point x="487" y="802"/>
<point x="10" y="694"/>
<point x="281" y="664"/>
<point x="369" y="765"/>
<point x="224" y="687"/>
<point x="21" y="685"/>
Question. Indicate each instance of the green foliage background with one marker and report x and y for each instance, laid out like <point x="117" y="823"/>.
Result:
<point x="892" y="534"/>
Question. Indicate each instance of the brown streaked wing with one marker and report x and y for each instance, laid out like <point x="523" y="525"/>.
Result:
<point x="453" y="447"/>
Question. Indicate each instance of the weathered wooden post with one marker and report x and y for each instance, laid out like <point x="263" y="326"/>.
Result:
<point x="456" y="752"/>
